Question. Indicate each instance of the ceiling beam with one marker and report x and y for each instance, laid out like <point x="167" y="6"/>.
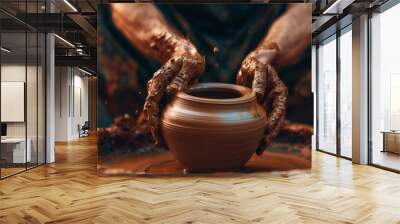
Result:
<point x="337" y="7"/>
<point x="77" y="61"/>
<point x="321" y="23"/>
<point x="49" y="22"/>
<point x="84" y="24"/>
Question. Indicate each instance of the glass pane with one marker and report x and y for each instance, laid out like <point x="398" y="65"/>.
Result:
<point x="23" y="88"/>
<point x="327" y="96"/>
<point x="41" y="98"/>
<point x="385" y="84"/>
<point x="13" y="86"/>
<point x="346" y="94"/>
<point x="31" y="87"/>
<point x="31" y="97"/>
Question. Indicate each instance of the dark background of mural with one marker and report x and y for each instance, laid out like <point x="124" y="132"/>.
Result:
<point x="124" y="141"/>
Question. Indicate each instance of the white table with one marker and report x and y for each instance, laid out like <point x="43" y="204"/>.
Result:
<point x="17" y="146"/>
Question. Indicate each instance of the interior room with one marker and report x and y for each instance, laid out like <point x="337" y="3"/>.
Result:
<point x="83" y="108"/>
<point x="385" y="87"/>
<point x="334" y="80"/>
<point x="72" y="106"/>
<point x="22" y="99"/>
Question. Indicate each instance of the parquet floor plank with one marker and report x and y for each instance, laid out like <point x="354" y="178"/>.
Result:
<point x="70" y="191"/>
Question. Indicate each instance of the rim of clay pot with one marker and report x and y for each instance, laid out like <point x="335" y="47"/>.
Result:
<point x="246" y="94"/>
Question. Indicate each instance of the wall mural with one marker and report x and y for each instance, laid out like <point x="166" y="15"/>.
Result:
<point x="199" y="88"/>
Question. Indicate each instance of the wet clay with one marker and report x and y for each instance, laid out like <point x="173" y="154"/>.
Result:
<point x="208" y="134"/>
<point x="257" y="73"/>
<point x="181" y="62"/>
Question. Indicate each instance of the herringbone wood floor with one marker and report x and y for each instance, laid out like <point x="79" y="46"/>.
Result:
<point x="69" y="191"/>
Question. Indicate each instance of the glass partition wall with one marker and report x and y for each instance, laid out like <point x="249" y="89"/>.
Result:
<point x="22" y="77"/>
<point x="385" y="89"/>
<point x="327" y="95"/>
<point x="334" y="93"/>
<point x="345" y="92"/>
<point x="334" y="90"/>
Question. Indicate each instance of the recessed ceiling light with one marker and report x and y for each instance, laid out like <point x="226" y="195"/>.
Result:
<point x="337" y="7"/>
<point x="64" y="40"/>
<point x="84" y="71"/>
<point x="70" y="5"/>
<point x="5" y="50"/>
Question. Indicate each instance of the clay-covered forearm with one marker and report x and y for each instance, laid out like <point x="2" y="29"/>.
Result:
<point x="145" y="27"/>
<point x="147" y="30"/>
<point x="290" y="34"/>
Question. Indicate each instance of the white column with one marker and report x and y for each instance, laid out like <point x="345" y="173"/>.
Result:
<point x="50" y="92"/>
<point x="360" y="90"/>
<point x="50" y="99"/>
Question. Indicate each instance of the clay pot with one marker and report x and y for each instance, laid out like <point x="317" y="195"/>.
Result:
<point x="213" y="127"/>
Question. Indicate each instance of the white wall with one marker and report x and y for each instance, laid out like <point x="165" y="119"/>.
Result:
<point x="71" y="102"/>
<point x="61" y="103"/>
<point x="16" y="72"/>
<point x="80" y="111"/>
<point x="33" y="127"/>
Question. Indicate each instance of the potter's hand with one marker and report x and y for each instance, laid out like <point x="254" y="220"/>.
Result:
<point x="184" y="66"/>
<point x="258" y="72"/>
<point x="283" y="45"/>
<point x="146" y="28"/>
